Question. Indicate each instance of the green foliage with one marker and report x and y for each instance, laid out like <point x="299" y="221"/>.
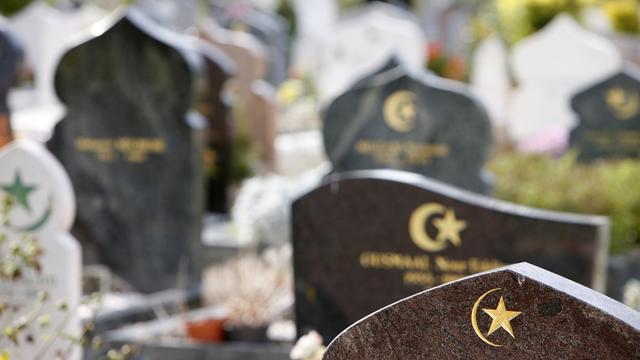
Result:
<point x="610" y="188"/>
<point x="623" y="15"/>
<point x="10" y="7"/>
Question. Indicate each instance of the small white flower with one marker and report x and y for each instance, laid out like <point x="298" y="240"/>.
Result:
<point x="308" y="347"/>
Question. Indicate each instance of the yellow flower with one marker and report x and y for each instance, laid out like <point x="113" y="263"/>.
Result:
<point x="4" y="355"/>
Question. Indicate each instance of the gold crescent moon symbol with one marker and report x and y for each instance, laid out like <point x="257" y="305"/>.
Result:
<point x="400" y="111"/>
<point x="474" y="315"/>
<point x="417" y="228"/>
<point x="623" y="104"/>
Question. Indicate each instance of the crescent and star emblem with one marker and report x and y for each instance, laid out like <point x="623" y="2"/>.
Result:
<point x="400" y="111"/>
<point x="449" y="227"/>
<point x="500" y="318"/>
<point x="19" y="192"/>
<point x="623" y="104"/>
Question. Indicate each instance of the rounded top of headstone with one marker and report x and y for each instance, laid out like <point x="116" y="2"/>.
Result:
<point x="40" y="189"/>
<point x="518" y="311"/>
<point x="363" y="40"/>
<point x="564" y="50"/>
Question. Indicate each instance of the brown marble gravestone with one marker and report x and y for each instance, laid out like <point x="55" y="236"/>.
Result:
<point x="366" y="239"/>
<point x="515" y="312"/>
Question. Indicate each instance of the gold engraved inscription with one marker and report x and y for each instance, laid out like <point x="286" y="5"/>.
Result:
<point x="500" y="318"/>
<point x="624" y="104"/>
<point x="401" y="153"/>
<point x="129" y="149"/>
<point x="400" y="111"/>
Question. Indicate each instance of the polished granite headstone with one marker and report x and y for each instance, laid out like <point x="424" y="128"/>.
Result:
<point x="363" y="240"/>
<point x="218" y="69"/>
<point x="398" y="119"/>
<point x="609" y="118"/>
<point x="10" y="60"/>
<point x="132" y="149"/>
<point x="516" y="312"/>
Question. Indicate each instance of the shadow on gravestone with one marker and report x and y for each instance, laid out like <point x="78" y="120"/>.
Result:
<point x="11" y="54"/>
<point x="132" y="148"/>
<point x="396" y="119"/>
<point x="516" y="312"/>
<point x="363" y="240"/>
<point x="609" y="118"/>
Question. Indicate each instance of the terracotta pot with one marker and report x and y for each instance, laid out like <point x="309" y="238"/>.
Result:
<point x="210" y="330"/>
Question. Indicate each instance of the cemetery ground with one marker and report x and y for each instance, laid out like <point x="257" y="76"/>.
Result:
<point x="324" y="179"/>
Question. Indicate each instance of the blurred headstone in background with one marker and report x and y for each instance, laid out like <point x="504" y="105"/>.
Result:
<point x="490" y="79"/>
<point x="219" y="139"/>
<point x="46" y="33"/>
<point x="178" y="16"/>
<point x="133" y="150"/>
<point x="362" y="41"/>
<point x="267" y="26"/>
<point x="11" y="56"/>
<point x="363" y="240"/>
<point x="41" y="215"/>
<point x="549" y="67"/>
<point x="252" y="96"/>
<point x="399" y="119"/>
<point x="608" y="118"/>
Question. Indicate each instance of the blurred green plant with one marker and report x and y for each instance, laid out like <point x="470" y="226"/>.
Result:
<point x="10" y="7"/>
<point x="623" y="15"/>
<point x="610" y="188"/>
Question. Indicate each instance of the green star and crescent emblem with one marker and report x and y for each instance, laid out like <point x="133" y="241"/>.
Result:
<point x="19" y="191"/>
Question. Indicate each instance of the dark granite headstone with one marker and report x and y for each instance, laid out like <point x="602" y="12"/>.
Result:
<point x="218" y="143"/>
<point x="272" y="29"/>
<point x="133" y="150"/>
<point x="11" y="54"/>
<point x="516" y="312"/>
<point x="609" y="118"/>
<point x="365" y="239"/>
<point x="395" y="119"/>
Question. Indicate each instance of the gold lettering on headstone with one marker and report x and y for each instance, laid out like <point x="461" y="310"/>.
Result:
<point x="449" y="227"/>
<point x="500" y="318"/>
<point x="129" y="149"/>
<point x="400" y="112"/>
<point x="627" y="140"/>
<point x="401" y="153"/>
<point x="622" y="103"/>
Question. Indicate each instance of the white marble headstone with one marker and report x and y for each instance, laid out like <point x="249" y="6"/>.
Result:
<point x="549" y="67"/>
<point x="45" y="33"/>
<point x="364" y="41"/>
<point x="490" y="78"/>
<point x="43" y="207"/>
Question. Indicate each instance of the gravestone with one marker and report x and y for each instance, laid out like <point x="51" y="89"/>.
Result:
<point x="10" y="61"/>
<point x="490" y="79"/>
<point x="550" y="66"/>
<point x="133" y="150"/>
<point x="43" y="209"/>
<point x="250" y="92"/>
<point x="362" y="41"/>
<point x="398" y="119"/>
<point x="516" y="312"/>
<point x="46" y="33"/>
<point x="270" y="28"/>
<point x="218" y="143"/>
<point x="363" y="240"/>
<point x="609" y="118"/>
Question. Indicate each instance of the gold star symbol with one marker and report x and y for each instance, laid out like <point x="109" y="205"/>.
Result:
<point x="501" y="318"/>
<point x="449" y="227"/>
<point x="407" y="111"/>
